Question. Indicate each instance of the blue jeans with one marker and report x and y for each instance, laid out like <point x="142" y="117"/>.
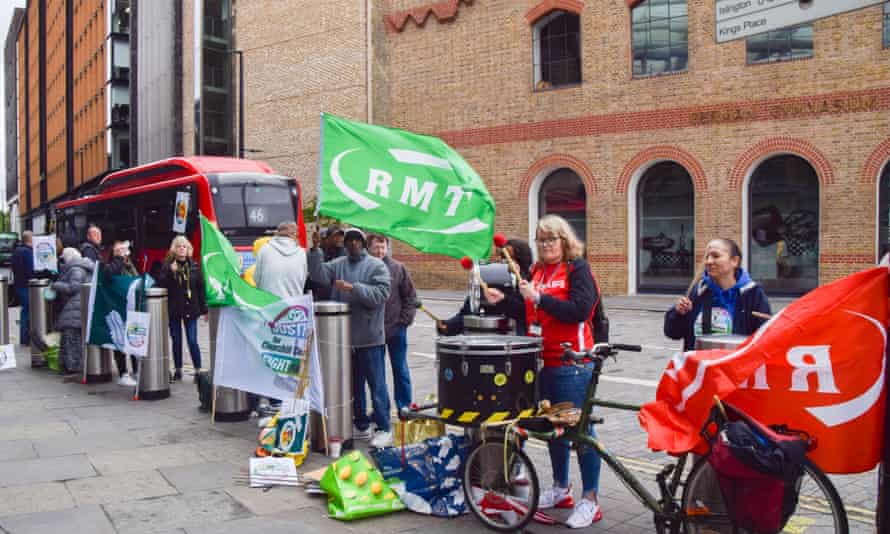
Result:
<point x="369" y="366"/>
<point x="398" y="359"/>
<point x="191" y="336"/>
<point x="569" y="383"/>
<point x="24" y="319"/>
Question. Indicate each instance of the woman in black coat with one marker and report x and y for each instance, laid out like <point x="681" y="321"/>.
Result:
<point x="186" y="300"/>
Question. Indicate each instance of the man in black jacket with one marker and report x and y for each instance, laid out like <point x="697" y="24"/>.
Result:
<point x="22" y="271"/>
<point x="92" y="247"/>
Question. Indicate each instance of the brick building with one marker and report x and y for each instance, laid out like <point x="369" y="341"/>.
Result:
<point x="625" y="116"/>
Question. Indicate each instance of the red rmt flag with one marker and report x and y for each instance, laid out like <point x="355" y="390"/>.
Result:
<point x="816" y="366"/>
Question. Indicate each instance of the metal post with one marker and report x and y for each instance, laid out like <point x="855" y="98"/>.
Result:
<point x="154" y="368"/>
<point x="240" y="102"/>
<point x="4" y="310"/>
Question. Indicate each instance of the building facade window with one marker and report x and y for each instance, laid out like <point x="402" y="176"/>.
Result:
<point x="660" y="37"/>
<point x="784" y="221"/>
<point x="562" y="193"/>
<point x="784" y="44"/>
<point x="557" y="50"/>
<point x="215" y="111"/>
<point x="666" y="240"/>
<point x="884" y="211"/>
<point x="887" y="24"/>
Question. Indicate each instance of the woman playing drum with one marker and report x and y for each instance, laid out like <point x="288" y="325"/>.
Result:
<point x="560" y="300"/>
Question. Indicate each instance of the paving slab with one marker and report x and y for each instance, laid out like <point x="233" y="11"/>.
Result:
<point x="43" y="497"/>
<point x="202" y="476"/>
<point x="143" y="458"/>
<point x="86" y="519"/>
<point x="24" y="472"/>
<point x="85" y="443"/>
<point x="34" y="430"/>
<point x="135" y="421"/>
<point x="232" y="450"/>
<point x="124" y="487"/>
<point x="177" y="511"/>
<point x="279" y="524"/>
<point x="20" y="449"/>
<point x="276" y="500"/>
<point x="186" y="433"/>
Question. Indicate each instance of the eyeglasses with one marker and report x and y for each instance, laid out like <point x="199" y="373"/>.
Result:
<point x="547" y="240"/>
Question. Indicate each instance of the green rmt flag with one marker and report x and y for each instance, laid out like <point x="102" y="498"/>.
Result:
<point x="412" y="187"/>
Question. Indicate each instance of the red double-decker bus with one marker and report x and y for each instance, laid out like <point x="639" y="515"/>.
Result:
<point x="245" y="198"/>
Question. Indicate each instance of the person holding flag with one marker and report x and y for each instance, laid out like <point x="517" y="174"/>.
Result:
<point x="120" y="264"/>
<point x="725" y="301"/>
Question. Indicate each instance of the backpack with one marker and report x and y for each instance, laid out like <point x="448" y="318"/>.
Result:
<point x="759" y="470"/>
<point x="204" y="384"/>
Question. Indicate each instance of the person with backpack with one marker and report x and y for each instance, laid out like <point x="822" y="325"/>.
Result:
<point x="186" y="300"/>
<point x="725" y="301"/>
<point x="560" y="301"/>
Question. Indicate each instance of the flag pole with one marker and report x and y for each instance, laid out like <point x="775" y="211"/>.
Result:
<point x="213" y="407"/>
<point x="882" y="521"/>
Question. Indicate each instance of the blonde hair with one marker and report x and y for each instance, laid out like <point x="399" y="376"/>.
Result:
<point x="572" y="248"/>
<point x="175" y="243"/>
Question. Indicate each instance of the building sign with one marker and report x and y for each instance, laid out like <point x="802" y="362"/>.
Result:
<point x="737" y="19"/>
<point x="816" y="106"/>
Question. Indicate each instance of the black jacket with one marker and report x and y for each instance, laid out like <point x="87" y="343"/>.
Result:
<point x="90" y="251"/>
<point x="116" y="266"/>
<point x="751" y="298"/>
<point x="22" y="265"/>
<point x="185" y="290"/>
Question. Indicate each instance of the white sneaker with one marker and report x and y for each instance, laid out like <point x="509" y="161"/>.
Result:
<point x="551" y="497"/>
<point x="126" y="380"/>
<point x="381" y="439"/>
<point x="585" y="514"/>
<point x="361" y="434"/>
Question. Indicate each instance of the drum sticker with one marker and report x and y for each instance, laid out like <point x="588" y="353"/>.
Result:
<point x="449" y="374"/>
<point x="529" y="376"/>
<point x="500" y="379"/>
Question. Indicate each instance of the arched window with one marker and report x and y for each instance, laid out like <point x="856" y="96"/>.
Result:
<point x="884" y="211"/>
<point x="562" y="193"/>
<point x="784" y="222"/>
<point x="666" y="241"/>
<point x="660" y="37"/>
<point x="557" y="50"/>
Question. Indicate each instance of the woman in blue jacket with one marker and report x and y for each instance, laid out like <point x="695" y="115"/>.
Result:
<point x="722" y="302"/>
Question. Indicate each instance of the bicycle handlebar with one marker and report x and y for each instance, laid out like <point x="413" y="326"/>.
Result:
<point x="599" y="350"/>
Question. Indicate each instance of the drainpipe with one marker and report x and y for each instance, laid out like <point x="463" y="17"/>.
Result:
<point x="369" y="47"/>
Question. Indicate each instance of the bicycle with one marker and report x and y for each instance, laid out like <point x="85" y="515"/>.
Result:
<point x="501" y="484"/>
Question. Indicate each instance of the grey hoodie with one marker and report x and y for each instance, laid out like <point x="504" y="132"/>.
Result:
<point x="367" y="301"/>
<point x="74" y="273"/>
<point x="281" y="267"/>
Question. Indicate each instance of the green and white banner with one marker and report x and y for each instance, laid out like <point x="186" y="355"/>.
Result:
<point x="111" y="297"/>
<point x="412" y="187"/>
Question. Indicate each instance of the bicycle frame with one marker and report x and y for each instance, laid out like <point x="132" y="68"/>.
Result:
<point x="578" y="436"/>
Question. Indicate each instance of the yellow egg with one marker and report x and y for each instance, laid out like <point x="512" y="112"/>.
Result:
<point x="355" y="456"/>
<point x="361" y="478"/>
<point x="346" y="472"/>
<point x="389" y="496"/>
<point x="376" y="488"/>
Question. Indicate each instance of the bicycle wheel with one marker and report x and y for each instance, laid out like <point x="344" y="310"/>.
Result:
<point x="501" y="503"/>
<point x="819" y="508"/>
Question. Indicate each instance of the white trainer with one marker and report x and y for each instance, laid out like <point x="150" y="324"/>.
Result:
<point x="550" y="497"/>
<point x="381" y="439"/>
<point x="361" y="434"/>
<point x="126" y="380"/>
<point x="585" y="514"/>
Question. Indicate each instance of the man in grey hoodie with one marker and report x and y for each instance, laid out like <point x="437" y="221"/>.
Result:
<point x="363" y="282"/>
<point x="281" y="264"/>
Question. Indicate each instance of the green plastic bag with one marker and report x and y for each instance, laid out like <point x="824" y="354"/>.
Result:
<point x="356" y="489"/>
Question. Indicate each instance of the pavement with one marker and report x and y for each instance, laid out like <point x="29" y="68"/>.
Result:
<point x="89" y="459"/>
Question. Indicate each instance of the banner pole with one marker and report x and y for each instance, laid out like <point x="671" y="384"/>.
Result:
<point x="213" y="406"/>
<point x="882" y="521"/>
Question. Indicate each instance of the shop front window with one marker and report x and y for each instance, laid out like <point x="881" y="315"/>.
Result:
<point x="884" y="212"/>
<point x="666" y="207"/>
<point x="563" y="194"/>
<point x="784" y="222"/>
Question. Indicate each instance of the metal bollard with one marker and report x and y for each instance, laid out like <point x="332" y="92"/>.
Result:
<point x="231" y="404"/>
<point x="4" y="310"/>
<point x="96" y="361"/>
<point x="38" y="316"/>
<point x="154" y="369"/>
<point x="335" y="359"/>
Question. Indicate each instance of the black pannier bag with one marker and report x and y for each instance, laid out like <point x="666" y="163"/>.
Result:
<point x="759" y="470"/>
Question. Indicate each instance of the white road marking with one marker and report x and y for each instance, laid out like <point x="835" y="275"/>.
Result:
<point x="604" y="378"/>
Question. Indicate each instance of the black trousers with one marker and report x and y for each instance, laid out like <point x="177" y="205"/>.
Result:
<point x="120" y="359"/>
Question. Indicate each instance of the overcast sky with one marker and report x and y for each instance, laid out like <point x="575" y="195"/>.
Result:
<point x="6" y="7"/>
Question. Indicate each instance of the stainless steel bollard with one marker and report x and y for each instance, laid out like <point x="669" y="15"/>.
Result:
<point x="335" y="358"/>
<point x="154" y="369"/>
<point x="96" y="361"/>
<point x="4" y="310"/>
<point x="38" y="317"/>
<point x="718" y="341"/>
<point x="231" y="404"/>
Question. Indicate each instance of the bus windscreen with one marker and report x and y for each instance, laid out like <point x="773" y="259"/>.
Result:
<point x="244" y="205"/>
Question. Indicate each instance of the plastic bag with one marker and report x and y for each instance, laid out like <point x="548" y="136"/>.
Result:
<point x="356" y="489"/>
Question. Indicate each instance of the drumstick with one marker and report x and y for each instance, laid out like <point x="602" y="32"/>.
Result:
<point x="468" y="264"/>
<point x="419" y="305"/>
<point x="761" y="315"/>
<point x="501" y="242"/>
